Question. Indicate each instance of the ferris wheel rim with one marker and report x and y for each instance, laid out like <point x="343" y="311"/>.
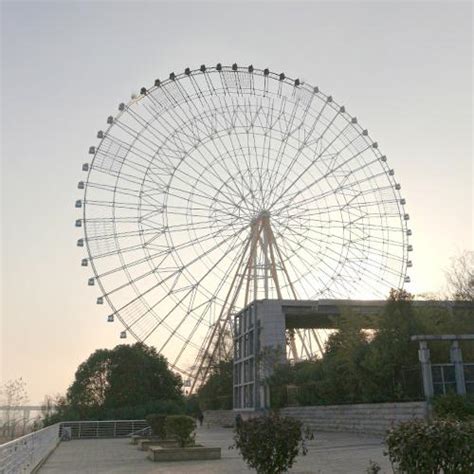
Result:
<point x="175" y="78"/>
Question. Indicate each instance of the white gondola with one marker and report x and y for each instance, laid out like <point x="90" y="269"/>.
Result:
<point x="78" y="203"/>
<point x="110" y="318"/>
<point x="100" y="300"/>
<point x="121" y="107"/>
<point x="409" y="264"/>
<point x="407" y="279"/>
<point x="406" y="217"/>
<point x="398" y="187"/>
<point x="391" y="172"/>
<point x="79" y="223"/>
<point x="80" y="242"/>
<point x="110" y="120"/>
<point x="403" y="202"/>
<point x="123" y="335"/>
<point x="383" y="158"/>
<point x="100" y="134"/>
<point x="91" y="282"/>
<point x="85" y="167"/>
<point x="410" y="248"/>
<point x="92" y="150"/>
<point x="84" y="262"/>
<point x="80" y="185"/>
<point x="409" y="232"/>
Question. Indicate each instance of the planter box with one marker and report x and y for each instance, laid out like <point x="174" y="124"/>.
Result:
<point x="141" y="439"/>
<point x="144" y="444"/>
<point x="191" y="453"/>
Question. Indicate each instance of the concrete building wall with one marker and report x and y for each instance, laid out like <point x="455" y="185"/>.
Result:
<point x="219" y="418"/>
<point x="272" y="324"/>
<point x="370" y="418"/>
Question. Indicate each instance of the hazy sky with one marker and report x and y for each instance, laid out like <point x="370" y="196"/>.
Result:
<point x="404" y="69"/>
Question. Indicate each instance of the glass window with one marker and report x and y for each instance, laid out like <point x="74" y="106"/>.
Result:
<point x="469" y="372"/>
<point x="449" y="374"/>
<point x="436" y="371"/>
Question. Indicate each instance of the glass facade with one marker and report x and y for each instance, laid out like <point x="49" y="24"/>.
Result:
<point x="444" y="378"/>
<point x="244" y="359"/>
<point x="469" y="377"/>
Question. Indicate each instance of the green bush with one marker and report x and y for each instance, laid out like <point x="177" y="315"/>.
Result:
<point x="157" y="424"/>
<point x="417" y="446"/>
<point x="270" y="443"/>
<point x="453" y="406"/>
<point x="182" y="428"/>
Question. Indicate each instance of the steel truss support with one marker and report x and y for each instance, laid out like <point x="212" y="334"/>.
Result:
<point x="246" y="278"/>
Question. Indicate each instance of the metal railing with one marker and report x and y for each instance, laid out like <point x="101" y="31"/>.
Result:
<point x="103" y="429"/>
<point x="23" y="454"/>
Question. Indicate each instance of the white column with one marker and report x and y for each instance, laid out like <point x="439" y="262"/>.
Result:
<point x="456" y="359"/>
<point x="424" y="357"/>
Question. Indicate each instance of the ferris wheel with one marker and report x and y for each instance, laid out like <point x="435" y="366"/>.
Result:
<point x="226" y="184"/>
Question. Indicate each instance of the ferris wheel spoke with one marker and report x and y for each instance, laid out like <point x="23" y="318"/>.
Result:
<point x="324" y="176"/>
<point x="304" y="144"/>
<point x="223" y="281"/>
<point x="358" y="260"/>
<point x="329" y="255"/>
<point x="318" y="140"/>
<point x="175" y="271"/>
<point x="179" y="123"/>
<point x="232" y="153"/>
<point x="206" y="274"/>
<point x="301" y="276"/>
<point x="163" y="253"/>
<point x="289" y="132"/>
<point x="225" y="200"/>
<point x="179" y="270"/>
<point x="336" y="154"/>
<point x="117" y="150"/>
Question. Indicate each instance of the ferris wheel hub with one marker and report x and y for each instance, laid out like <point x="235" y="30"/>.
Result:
<point x="262" y="215"/>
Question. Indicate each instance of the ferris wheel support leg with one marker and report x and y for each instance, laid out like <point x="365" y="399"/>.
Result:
<point x="226" y="309"/>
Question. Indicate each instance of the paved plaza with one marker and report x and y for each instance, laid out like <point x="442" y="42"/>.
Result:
<point x="338" y="453"/>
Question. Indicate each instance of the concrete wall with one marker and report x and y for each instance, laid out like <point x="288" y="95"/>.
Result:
<point x="220" y="418"/>
<point x="370" y="418"/>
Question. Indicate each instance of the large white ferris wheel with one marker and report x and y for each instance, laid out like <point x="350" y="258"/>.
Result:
<point x="226" y="184"/>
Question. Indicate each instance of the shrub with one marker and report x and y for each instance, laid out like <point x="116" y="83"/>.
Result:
<point x="157" y="424"/>
<point x="374" y="468"/>
<point x="431" y="447"/>
<point x="453" y="406"/>
<point x="270" y="443"/>
<point x="182" y="427"/>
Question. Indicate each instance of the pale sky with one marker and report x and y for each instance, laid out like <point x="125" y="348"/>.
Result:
<point x="404" y="69"/>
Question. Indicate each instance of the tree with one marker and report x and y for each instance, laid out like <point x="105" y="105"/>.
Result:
<point x="460" y="277"/>
<point x="127" y="381"/>
<point x="216" y="392"/>
<point x="13" y="395"/>
<point x="392" y="353"/>
<point x="92" y="381"/>
<point x="345" y="376"/>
